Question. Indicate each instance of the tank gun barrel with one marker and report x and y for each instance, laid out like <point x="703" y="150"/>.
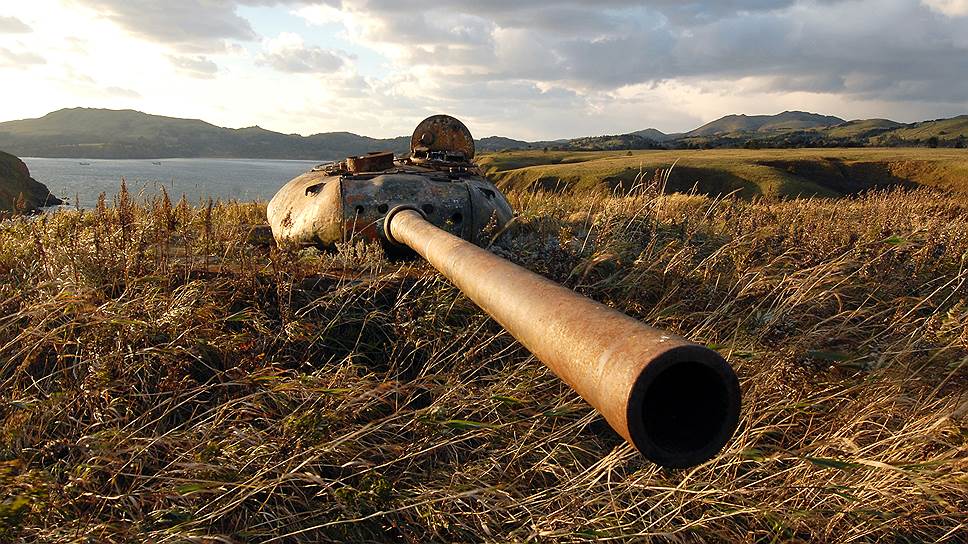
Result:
<point x="677" y="402"/>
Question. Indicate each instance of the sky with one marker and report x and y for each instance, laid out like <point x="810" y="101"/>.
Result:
<point x="530" y="69"/>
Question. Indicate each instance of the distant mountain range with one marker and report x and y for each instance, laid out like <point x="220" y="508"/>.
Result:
<point x="99" y="133"/>
<point x="96" y="133"/>
<point x="790" y="129"/>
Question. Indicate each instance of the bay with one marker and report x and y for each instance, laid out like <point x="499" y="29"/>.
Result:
<point x="197" y="179"/>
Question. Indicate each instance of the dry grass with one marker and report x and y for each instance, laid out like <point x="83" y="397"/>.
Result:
<point x="161" y="380"/>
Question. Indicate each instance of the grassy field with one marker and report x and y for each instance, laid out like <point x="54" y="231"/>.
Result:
<point x="768" y="172"/>
<point x="164" y="380"/>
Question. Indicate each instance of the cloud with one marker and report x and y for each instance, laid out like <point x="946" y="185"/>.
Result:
<point x="82" y="84"/>
<point x="951" y="8"/>
<point x="22" y="59"/>
<point x="194" y="26"/>
<point x="12" y="25"/>
<point x="198" y="67"/>
<point x="288" y="53"/>
<point x="536" y="68"/>
<point x="121" y="92"/>
<point x="831" y="46"/>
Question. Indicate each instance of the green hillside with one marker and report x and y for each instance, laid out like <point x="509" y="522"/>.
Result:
<point x="15" y="180"/>
<point x="861" y="128"/>
<point x="943" y="129"/>
<point x="791" y="129"/>
<point x="655" y="135"/>
<point x="498" y="143"/>
<point x="105" y="134"/>
<point x="859" y="133"/>
<point x="613" y="143"/>
<point x="782" y="173"/>
<point x="96" y="133"/>
<point x="786" y="121"/>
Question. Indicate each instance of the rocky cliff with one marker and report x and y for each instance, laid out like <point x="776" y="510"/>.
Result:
<point x="15" y="180"/>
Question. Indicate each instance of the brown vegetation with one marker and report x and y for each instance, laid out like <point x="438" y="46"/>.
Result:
<point x="163" y="380"/>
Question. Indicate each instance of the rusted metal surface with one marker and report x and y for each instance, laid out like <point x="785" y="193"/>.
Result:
<point x="349" y="199"/>
<point x="321" y="209"/>
<point x="308" y="211"/>
<point x="677" y="402"/>
<point x="441" y="137"/>
<point x="371" y="162"/>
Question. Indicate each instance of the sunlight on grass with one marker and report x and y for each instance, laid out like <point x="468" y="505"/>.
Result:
<point x="162" y="378"/>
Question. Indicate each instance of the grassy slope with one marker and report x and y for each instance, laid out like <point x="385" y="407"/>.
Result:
<point x="944" y="129"/>
<point x="861" y="128"/>
<point x="867" y="132"/>
<point x="162" y="381"/>
<point x="788" y="120"/>
<point x="790" y="172"/>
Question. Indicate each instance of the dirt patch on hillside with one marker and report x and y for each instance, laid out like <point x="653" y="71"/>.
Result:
<point x="855" y="177"/>
<point x="842" y="177"/>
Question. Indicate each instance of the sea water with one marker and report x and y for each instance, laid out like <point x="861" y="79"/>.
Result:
<point x="80" y="181"/>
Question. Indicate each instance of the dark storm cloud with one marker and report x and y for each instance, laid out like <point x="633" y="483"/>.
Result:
<point x="504" y="11"/>
<point x="887" y="49"/>
<point x="12" y="25"/>
<point x="838" y="49"/>
<point x="202" y="24"/>
<point x="873" y="49"/>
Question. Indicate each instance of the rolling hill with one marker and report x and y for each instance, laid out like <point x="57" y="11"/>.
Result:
<point x="497" y="143"/>
<point x="790" y="129"/>
<point x="655" y="135"/>
<point x="129" y="134"/>
<point x="783" y="122"/>
<point x="862" y="128"/>
<point x="98" y="133"/>
<point x="943" y="129"/>
<point x="801" y="130"/>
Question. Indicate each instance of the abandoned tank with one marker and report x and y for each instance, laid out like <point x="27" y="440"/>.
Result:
<point x="675" y="401"/>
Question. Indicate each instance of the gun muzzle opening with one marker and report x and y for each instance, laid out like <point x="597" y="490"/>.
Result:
<point x="677" y="402"/>
<point x="684" y="407"/>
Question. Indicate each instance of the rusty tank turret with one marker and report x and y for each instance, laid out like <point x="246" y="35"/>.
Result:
<point x="677" y="402"/>
<point x="348" y="199"/>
